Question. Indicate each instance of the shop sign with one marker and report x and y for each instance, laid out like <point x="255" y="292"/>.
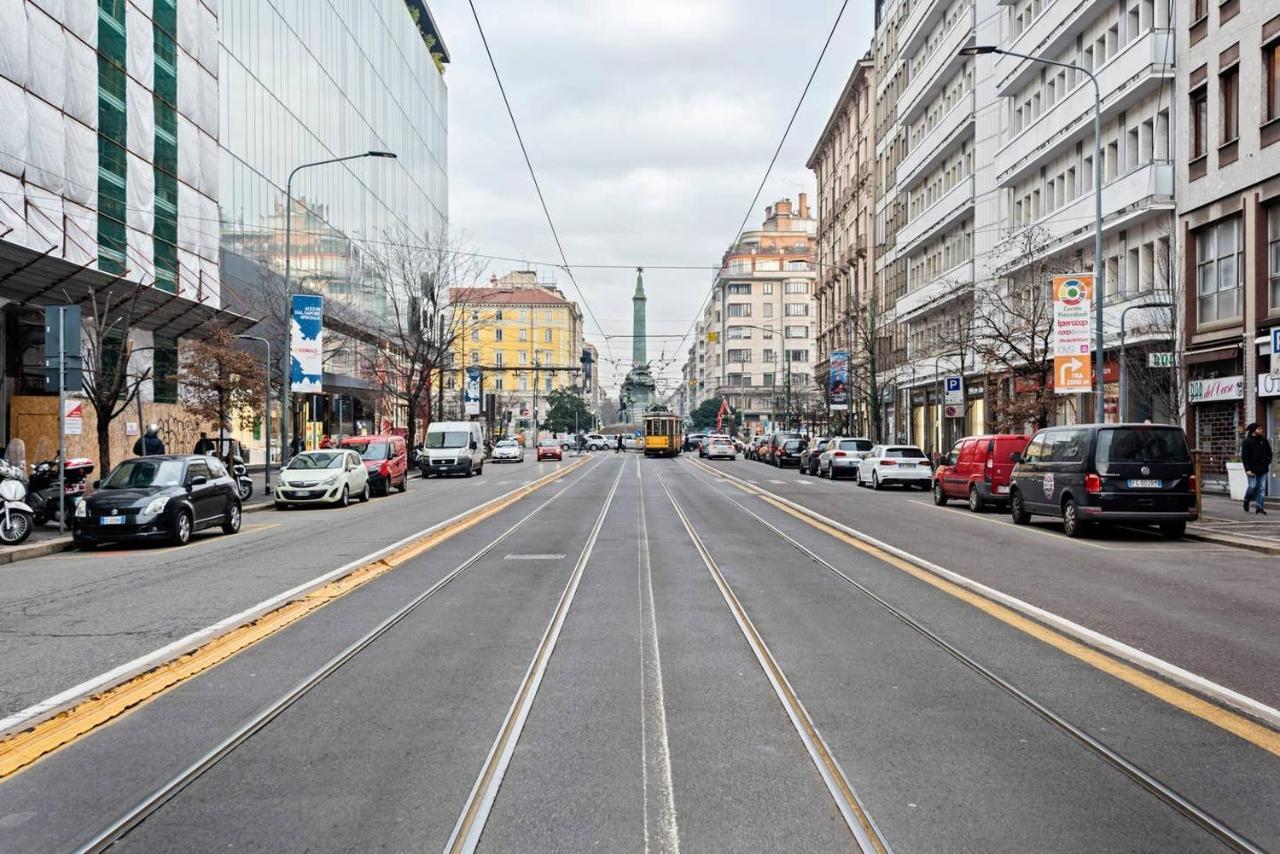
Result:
<point x="1268" y="386"/>
<point x="1072" y="333"/>
<point x="1160" y="360"/>
<point x="1220" y="388"/>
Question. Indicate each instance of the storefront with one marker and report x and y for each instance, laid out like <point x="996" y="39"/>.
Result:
<point x="1217" y="423"/>
<point x="1269" y="414"/>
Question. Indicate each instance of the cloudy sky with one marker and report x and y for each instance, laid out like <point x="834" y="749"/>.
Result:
<point x="650" y="123"/>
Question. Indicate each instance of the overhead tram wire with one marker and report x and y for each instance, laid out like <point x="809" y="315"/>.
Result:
<point x="777" y="151"/>
<point x="533" y="175"/>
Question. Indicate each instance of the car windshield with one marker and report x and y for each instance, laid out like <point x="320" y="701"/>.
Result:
<point x="548" y="443"/>
<point x="792" y="444"/>
<point x="369" y="450"/>
<point x="317" y="460"/>
<point x="906" y="453"/>
<point x="1142" y="445"/>
<point x="133" y="474"/>
<point x="448" y="439"/>
<point x="855" y="445"/>
<point x="507" y="443"/>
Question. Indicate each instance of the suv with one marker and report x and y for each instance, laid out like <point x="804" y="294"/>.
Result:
<point x="693" y="441"/>
<point x="1093" y="473"/>
<point x="385" y="457"/>
<point x="977" y="470"/>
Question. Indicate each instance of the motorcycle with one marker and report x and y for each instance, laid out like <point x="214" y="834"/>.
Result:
<point x="42" y="490"/>
<point x="16" y="516"/>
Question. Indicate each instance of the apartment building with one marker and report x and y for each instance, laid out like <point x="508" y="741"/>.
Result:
<point x="1228" y="182"/>
<point x="755" y="339"/>
<point x="843" y="161"/>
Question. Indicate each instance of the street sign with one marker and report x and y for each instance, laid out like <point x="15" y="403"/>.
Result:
<point x="950" y="410"/>
<point x="1159" y="360"/>
<point x="73" y="413"/>
<point x="62" y="338"/>
<point x="713" y="337"/>
<point x="1072" y="328"/>
<point x="954" y="391"/>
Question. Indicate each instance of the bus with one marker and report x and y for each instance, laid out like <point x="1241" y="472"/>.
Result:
<point x="662" y="433"/>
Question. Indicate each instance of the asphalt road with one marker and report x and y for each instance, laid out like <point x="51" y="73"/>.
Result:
<point x="596" y="679"/>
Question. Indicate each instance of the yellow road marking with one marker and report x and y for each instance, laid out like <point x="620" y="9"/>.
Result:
<point x="24" y="748"/>
<point x="1238" y="725"/>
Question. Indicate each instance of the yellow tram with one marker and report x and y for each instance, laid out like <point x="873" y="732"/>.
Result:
<point x="662" y="433"/>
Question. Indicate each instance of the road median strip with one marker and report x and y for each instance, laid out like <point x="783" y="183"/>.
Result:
<point x="56" y="722"/>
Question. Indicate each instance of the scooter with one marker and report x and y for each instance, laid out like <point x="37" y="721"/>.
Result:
<point x="244" y="485"/>
<point x="16" y="517"/>
<point x="42" y="492"/>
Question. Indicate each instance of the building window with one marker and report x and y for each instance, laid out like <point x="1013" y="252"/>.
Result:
<point x="1200" y="10"/>
<point x="523" y="334"/>
<point x="112" y="136"/>
<point x="497" y="358"/>
<point x="497" y="315"/>
<point x="475" y="358"/>
<point x="740" y="332"/>
<point x="767" y="332"/>
<point x="1199" y="123"/>
<point x="1229" y="82"/>
<point x="767" y="379"/>
<point x="740" y="289"/>
<point x="524" y="358"/>
<point x="1273" y="253"/>
<point x="546" y="384"/>
<point x="797" y="332"/>
<point x="546" y="335"/>
<point x="1218" y="270"/>
<point x="766" y="288"/>
<point x="739" y="356"/>
<point x="797" y="309"/>
<point x="165" y="369"/>
<point x="1271" y="80"/>
<point x="768" y="309"/>
<point x="475" y="334"/>
<point x="739" y="309"/>
<point x="497" y="383"/>
<point x="795" y="287"/>
<point x="497" y="335"/>
<point x="797" y="355"/>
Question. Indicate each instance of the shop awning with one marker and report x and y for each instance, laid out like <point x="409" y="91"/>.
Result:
<point x="1212" y="354"/>
<point x="38" y="279"/>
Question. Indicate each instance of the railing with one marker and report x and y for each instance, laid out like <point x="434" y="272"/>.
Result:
<point x="933" y="144"/>
<point x="927" y="220"/>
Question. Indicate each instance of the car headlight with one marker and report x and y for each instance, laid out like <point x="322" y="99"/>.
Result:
<point x="82" y="509"/>
<point x="331" y="479"/>
<point x="156" y="506"/>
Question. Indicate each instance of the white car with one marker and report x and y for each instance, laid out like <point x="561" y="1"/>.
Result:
<point x="721" y="449"/>
<point x="333" y="476"/>
<point x="597" y="442"/>
<point x="904" y="464"/>
<point x="709" y="440"/>
<point x="508" y="450"/>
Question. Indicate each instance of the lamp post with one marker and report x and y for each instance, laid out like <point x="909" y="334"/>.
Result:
<point x="1123" y="410"/>
<point x="266" y="467"/>
<point x="286" y="414"/>
<point x="937" y="378"/>
<point x="1099" y="274"/>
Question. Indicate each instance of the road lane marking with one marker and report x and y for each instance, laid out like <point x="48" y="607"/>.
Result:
<point x="661" y="830"/>
<point x="534" y="557"/>
<point x="779" y="482"/>
<point x="865" y="833"/>
<point x="1081" y="643"/>
<point x="59" y="720"/>
<point x="475" y="812"/>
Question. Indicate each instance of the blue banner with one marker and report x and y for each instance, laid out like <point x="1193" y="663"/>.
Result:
<point x="471" y="392"/>
<point x="838" y="380"/>
<point x="306" y="343"/>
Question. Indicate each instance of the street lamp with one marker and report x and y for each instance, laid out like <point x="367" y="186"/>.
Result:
<point x="1124" y="372"/>
<point x="266" y="468"/>
<point x="1099" y="274"/>
<point x="286" y="417"/>
<point x="937" y="378"/>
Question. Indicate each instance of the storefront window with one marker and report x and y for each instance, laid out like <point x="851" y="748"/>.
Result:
<point x="1218" y="270"/>
<point x="1273" y="253"/>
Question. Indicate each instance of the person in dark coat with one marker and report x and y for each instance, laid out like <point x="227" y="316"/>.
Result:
<point x="1255" y="453"/>
<point x="150" y="444"/>
<point x="204" y="445"/>
<point x="618" y="448"/>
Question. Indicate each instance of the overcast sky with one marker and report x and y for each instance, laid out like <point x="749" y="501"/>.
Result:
<point x="650" y="123"/>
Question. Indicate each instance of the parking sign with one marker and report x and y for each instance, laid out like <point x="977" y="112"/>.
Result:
<point x="955" y="390"/>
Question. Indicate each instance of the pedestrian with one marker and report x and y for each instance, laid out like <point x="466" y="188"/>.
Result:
<point x="150" y="444"/>
<point x="618" y="448"/>
<point x="203" y="445"/>
<point x="1255" y="453"/>
<point x="326" y="442"/>
<point x="297" y="446"/>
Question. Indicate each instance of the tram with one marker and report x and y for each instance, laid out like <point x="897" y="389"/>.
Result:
<point x="662" y="432"/>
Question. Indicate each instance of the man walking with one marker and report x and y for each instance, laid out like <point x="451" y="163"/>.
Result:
<point x="618" y="448"/>
<point x="1255" y="454"/>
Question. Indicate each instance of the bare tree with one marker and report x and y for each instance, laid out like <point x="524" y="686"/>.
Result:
<point x="865" y="334"/>
<point x="415" y="273"/>
<point x="220" y="380"/>
<point x="111" y="387"/>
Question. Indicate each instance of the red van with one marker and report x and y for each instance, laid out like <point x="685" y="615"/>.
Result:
<point x="978" y="470"/>
<point x="386" y="458"/>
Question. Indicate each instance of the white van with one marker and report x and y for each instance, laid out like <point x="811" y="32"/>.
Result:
<point x="453" y="447"/>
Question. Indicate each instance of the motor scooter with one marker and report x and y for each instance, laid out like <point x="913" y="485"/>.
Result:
<point x="16" y="516"/>
<point x="42" y="488"/>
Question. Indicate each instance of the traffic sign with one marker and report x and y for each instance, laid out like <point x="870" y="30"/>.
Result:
<point x="954" y="391"/>
<point x="950" y="410"/>
<point x="713" y="337"/>
<point x="1071" y="374"/>
<point x="1275" y="340"/>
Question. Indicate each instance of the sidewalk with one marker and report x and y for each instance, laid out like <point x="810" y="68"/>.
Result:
<point x="1222" y="520"/>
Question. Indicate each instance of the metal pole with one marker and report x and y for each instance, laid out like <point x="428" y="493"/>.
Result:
<point x="62" y="418"/>
<point x="1099" y="273"/>
<point x="266" y="468"/>
<point x="1123" y="409"/>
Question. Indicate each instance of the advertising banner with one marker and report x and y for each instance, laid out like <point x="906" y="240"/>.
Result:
<point x="471" y="393"/>
<point x="838" y="380"/>
<point x="306" y="343"/>
<point x="1072" y="333"/>
<point x="1214" y="390"/>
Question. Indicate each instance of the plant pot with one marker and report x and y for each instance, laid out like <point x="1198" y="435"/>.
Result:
<point x="1237" y="481"/>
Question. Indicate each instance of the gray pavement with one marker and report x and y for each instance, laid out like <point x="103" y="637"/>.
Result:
<point x="654" y="724"/>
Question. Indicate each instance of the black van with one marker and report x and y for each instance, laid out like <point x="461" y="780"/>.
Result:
<point x="1087" y="473"/>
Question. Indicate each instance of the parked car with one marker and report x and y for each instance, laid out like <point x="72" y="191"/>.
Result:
<point x="453" y="447"/>
<point x="508" y="450"/>
<point x="1104" y="473"/>
<point x="787" y="452"/>
<point x="842" y="455"/>
<point x="977" y="470"/>
<point x="809" y="456"/>
<point x="332" y="476"/>
<point x="902" y="464"/>
<point x="386" y="458"/>
<point x="161" y="497"/>
<point x="721" y="448"/>
<point x="776" y="441"/>
<point x="692" y="441"/>
<point x="549" y="449"/>
<point x="753" y="448"/>
<point x="708" y="439"/>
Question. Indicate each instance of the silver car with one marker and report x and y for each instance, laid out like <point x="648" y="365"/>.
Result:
<point x="508" y="450"/>
<point x="841" y="456"/>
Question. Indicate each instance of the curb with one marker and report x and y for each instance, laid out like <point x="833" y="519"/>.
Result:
<point x="1252" y="545"/>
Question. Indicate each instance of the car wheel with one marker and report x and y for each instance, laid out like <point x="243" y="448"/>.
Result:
<point x="939" y="497"/>
<point x="976" y="502"/>
<point x="875" y="480"/>
<point x="232" y="523"/>
<point x="84" y="545"/>
<point x="364" y="493"/>
<point x="1017" y="509"/>
<point x="404" y="483"/>
<point x="280" y="505"/>
<point x="481" y="469"/>
<point x="182" y="529"/>
<point x="1071" y="524"/>
<point x="1173" y="530"/>
<point x="468" y="472"/>
<point x="345" y="498"/>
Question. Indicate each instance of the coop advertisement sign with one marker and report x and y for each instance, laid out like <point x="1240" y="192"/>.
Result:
<point x="306" y="343"/>
<point x="838" y="380"/>
<point x="1072" y="333"/>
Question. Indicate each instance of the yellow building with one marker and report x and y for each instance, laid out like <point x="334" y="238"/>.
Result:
<point x="525" y="337"/>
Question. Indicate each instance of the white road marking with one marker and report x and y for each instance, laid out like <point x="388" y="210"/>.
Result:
<point x="534" y="557"/>
<point x="503" y="482"/>
<point x="661" y="830"/>
<point x="779" y="482"/>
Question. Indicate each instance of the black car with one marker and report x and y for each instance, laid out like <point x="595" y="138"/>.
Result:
<point x="1102" y="473"/>
<point x="163" y="497"/>
<point x="809" y="456"/>
<point x="787" y="452"/>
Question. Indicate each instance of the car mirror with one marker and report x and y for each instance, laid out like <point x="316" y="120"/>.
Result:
<point x="950" y="460"/>
<point x="198" y="480"/>
<point x="97" y="483"/>
<point x="1016" y="457"/>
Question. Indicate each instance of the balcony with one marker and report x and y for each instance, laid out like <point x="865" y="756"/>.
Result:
<point x="935" y="145"/>
<point x="1125" y="200"/>
<point x="937" y="70"/>
<point x="1135" y="72"/>
<point x="936" y="293"/>
<point x="1050" y="34"/>
<point x="922" y="18"/>
<point x="954" y="204"/>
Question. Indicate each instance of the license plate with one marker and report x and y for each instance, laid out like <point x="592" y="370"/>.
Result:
<point x="112" y="520"/>
<point x="75" y="487"/>
<point x="1002" y="488"/>
<point x="1146" y="484"/>
<point x="906" y="465"/>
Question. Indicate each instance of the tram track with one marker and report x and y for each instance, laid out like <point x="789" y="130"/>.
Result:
<point x="135" y="815"/>
<point x="1144" y="779"/>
